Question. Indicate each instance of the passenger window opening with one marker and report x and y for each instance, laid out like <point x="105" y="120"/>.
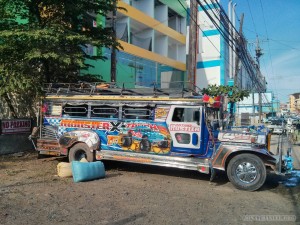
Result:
<point x="104" y="111"/>
<point x="51" y="109"/>
<point x="186" y="115"/>
<point x="75" y="110"/>
<point x="137" y="112"/>
<point x="178" y="115"/>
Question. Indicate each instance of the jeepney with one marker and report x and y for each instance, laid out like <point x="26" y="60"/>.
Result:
<point x="168" y="127"/>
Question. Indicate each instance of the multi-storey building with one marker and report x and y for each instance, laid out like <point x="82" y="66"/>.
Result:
<point x="212" y="65"/>
<point x="217" y="58"/>
<point x="294" y="103"/>
<point x="153" y="36"/>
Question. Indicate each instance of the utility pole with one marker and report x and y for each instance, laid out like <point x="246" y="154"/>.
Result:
<point x="239" y="40"/>
<point x="237" y="59"/>
<point x="258" y="54"/>
<point x="113" y="56"/>
<point x="253" y="103"/>
<point x="230" y="39"/>
<point x="192" y="57"/>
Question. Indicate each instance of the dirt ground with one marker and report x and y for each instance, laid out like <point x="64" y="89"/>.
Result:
<point x="31" y="193"/>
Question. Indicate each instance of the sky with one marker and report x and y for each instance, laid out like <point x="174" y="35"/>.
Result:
<point x="277" y="25"/>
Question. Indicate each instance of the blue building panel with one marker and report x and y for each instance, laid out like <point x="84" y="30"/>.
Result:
<point x="208" y="64"/>
<point x="207" y="33"/>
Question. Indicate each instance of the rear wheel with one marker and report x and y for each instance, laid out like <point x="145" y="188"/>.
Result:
<point x="246" y="172"/>
<point x="79" y="151"/>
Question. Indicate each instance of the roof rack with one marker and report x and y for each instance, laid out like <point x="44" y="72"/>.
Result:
<point x="170" y="89"/>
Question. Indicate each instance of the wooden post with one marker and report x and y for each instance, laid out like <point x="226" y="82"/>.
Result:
<point x="192" y="57"/>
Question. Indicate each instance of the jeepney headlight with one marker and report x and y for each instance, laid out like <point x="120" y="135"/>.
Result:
<point x="258" y="139"/>
<point x="261" y="139"/>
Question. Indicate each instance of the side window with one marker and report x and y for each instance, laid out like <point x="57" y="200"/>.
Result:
<point x="75" y="110"/>
<point x="183" y="138"/>
<point x="178" y="115"/>
<point x="186" y="115"/>
<point x="137" y="112"/>
<point x="104" y="111"/>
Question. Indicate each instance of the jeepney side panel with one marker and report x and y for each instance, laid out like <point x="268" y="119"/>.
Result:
<point x="194" y="126"/>
<point x="135" y="135"/>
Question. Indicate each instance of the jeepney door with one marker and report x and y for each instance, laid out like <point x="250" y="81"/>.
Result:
<point x="184" y="126"/>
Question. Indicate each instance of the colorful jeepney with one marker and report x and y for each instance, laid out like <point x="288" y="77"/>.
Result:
<point x="162" y="127"/>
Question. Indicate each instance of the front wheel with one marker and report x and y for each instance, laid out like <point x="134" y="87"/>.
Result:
<point x="79" y="151"/>
<point x="247" y="172"/>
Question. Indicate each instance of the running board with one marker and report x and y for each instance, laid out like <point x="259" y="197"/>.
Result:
<point x="188" y="163"/>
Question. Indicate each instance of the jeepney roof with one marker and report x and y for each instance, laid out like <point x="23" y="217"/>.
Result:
<point x="113" y="92"/>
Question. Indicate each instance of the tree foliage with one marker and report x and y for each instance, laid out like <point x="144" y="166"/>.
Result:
<point x="233" y="93"/>
<point x="44" y="41"/>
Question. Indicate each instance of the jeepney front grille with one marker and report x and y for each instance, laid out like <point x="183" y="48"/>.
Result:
<point x="49" y="132"/>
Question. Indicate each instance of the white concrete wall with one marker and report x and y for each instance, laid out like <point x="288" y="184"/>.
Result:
<point x="161" y="45"/>
<point x="181" y="53"/>
<point x="146" y="6"/>
<point x="172" y="51"/>
<point x="209" y="50"/>
<point x="161" y="14"/>
<point x="208" y="76"/>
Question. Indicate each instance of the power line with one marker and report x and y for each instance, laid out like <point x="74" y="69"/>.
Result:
<point x="252" y="17"/>
<point x="198" y="26"/>
<point x="270" y="56"/>
<point x="243" y="52"/>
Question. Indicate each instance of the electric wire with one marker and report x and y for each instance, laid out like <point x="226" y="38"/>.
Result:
<point x="248" y="67"/>
<point x="244" y="55"/>
<point x="270" y="56"/>
<point x="242" y="38"/>
<point x="252" y="18"/>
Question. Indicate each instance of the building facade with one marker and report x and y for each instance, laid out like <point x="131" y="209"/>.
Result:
<point x="153" y="36"/>
<point x="218" y="59"/>
<point x="155" y="40"/>
<point x="212" y="65"/>
<point x="294" y="103"/>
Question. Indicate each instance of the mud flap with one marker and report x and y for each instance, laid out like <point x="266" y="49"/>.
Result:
<point x="212" y="173"/>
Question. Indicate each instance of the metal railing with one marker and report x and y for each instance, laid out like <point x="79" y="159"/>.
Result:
<point x="176" y="89"/>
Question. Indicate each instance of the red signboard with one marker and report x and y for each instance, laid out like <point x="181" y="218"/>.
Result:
<point x="15" y="126"/>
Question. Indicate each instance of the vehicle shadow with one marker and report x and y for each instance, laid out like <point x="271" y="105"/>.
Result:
<point x="219" y="179"/>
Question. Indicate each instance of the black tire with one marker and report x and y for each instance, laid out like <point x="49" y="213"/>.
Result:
<point x="247" y="172"/>
<point x="126" y="141"/>
<point x="79" y="151"/>
<point x="163" y="144"/>
<point x="145" y="145"/>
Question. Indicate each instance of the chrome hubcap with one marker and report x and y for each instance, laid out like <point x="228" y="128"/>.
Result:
<point x="246" y="172"/>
